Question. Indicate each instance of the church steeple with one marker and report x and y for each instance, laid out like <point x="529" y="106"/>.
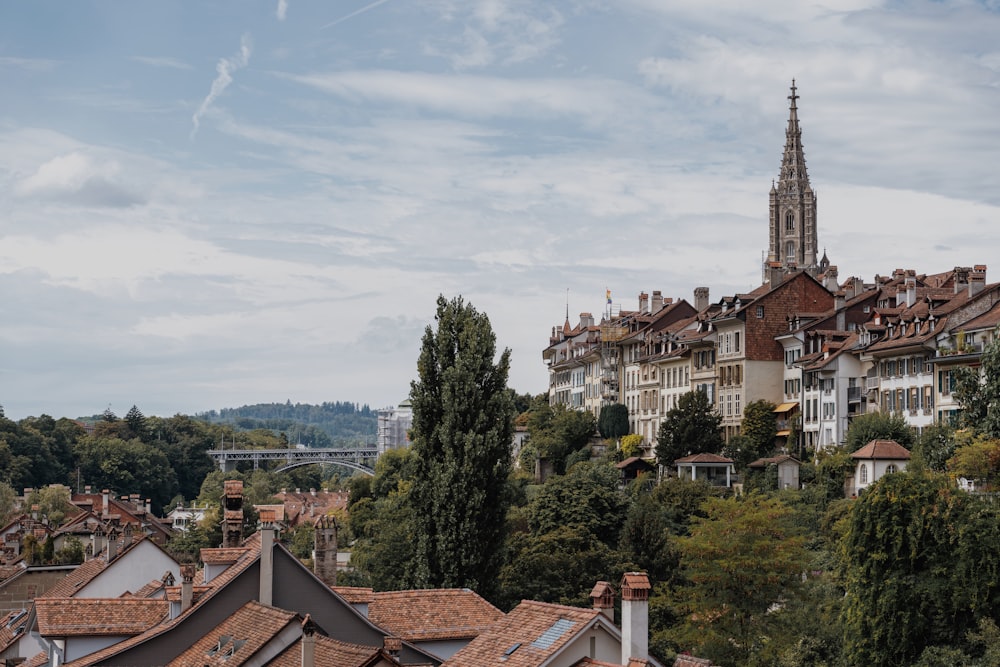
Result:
<point x="793" y="241"/>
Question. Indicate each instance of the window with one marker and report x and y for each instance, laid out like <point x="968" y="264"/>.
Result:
<point x="864" y="474"/>
<point x="790" y="221"/>
<point x="891" y="468"/>
<point x="736" y="341"/>
<point x="790" y="251"/>
<point x="760" y="312"/>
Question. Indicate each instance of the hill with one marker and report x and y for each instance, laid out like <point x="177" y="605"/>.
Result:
<point x="331" y="424"/>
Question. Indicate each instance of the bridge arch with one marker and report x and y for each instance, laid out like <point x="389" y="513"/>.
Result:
<point x="347" y="464"/>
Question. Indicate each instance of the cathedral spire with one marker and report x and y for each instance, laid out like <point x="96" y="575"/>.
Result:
<point x="793" y="240"/>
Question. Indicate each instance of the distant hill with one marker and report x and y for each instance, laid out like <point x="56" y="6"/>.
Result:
<point x="337" y="424"/>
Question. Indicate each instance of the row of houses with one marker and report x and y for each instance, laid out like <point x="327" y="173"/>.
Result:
<point x="251" y="602"/>
<point x="822" y="351"/>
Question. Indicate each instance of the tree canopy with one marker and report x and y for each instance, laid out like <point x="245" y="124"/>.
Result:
<point x="878" y="426"/>
<point x="612" y="422"/>
<point x="693" y="427"/>
<point x="462" y="431"/>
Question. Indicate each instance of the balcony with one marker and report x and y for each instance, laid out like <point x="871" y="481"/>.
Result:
<point x="854" y="395"/>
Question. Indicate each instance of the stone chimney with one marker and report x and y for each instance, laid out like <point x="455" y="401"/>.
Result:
<point x="325" y="550"/>
<point x="97" y="541"/>
<point x="911" y="288"/>
<point x="775" y="274"/>
<point x="112" y="544"/>
<point x="700" y="298"/>
<point x="106" y="499"/>
<point x="961" y="278"/>
<point x="830" y="279"/>
<point x="603" y="599"/>
<point x="308" y="642"/>
<point x="266" y="557"/>
<point x="977" y="279"/>
<point x="839" y="305"/>
<point x="643" y="302"/>
<point x="232" y="513"/>
<point x="635" y="616"/>
<point x="187" y="586"/>
<point x="657" y="304"/>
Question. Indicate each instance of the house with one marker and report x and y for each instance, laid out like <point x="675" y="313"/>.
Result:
<point x="712" y="468"/>
<point x="634" y="466"/>
<point x="876" y="459"/>
<point x="787" y="467"/>
<point x="534" y="634"/>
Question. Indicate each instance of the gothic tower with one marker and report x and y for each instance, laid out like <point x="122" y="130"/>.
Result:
<point x="793" y="241"/>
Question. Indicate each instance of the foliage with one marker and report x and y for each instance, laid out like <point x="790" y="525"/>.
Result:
<point x="829" y="472"/>
<point x="878" y="426"/>
<point x="186" y="545"/>
<point x="921" y="566"/>
<point x="557" y="432"/>
<point x="585" y="498"/>
<point x="462" y="430"/>
<point x="934" y="447"/>
<point x="976" y="457"/>
<point x="338" y="424"/>
<point x="744" y="557"/>
<point x="693" y="427"/>
<point x="612" y="422"/>
<point x="977" y="390"/>
<point x="8" y="502"/>
<point x="136" y="422"/>
<point x="126" y="466"/>
<point x="631" y="445"/>
<point x="757" y="433"/>
<point x="646" y="538"/>
<point x="53" y="502"/>
<point x="36" y="450"/>
<point x="71" y="552"/>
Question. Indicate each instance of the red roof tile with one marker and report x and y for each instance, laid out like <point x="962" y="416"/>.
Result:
<point x="238" y="638"/>
<point x="422" y="615"/>
<point x="704" y="458"/>
<point x="76" y="617"/>
<point x="355" y="594"/>
<point x="329" y="653"/>
<point x="889" y="450"/>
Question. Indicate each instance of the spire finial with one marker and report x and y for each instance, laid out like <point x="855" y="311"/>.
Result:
<point x="793" y="96"/>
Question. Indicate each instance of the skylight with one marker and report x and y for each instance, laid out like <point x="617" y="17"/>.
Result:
<point x="550" y="636"/>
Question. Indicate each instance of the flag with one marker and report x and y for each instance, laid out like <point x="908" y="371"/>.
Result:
<point x="608" y="295"/>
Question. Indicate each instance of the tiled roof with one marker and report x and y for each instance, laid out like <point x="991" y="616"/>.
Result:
<point x="238" y="638"/>
<point x="11" y="629"/>
<point x="222" y="556"/>
<point x="355" y="594"/>
<point x="76" y="617"/>
<point x="530" y="634"/>
<point x="989" y="319"/>
<point x="329" y="653"/>
<point x="884" y="450"/>
<point x="703" y="458"/>
<point x="422" y="615"/>
<point x="37" y="660"/>
<point x="78" y="578"/>
<point x="773" y="460"/>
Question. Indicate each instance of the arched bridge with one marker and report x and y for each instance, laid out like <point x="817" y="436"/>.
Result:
<point x="357" y="458"/>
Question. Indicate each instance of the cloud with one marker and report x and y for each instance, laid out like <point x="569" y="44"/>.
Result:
<point x="225" y="69"/>
<point x="171" y="63"/>
<point x="282" y="10"/>
<point x="76" y="178"/>
<point x="29" y="64"/>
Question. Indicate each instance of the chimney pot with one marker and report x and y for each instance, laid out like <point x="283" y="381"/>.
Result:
<point x="635" y="616"/>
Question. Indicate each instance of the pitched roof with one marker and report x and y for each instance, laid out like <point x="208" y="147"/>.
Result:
<point x="222" y="555"/>
<point x="329" y="653"/>
<point x="882" y="449"/>
<point x="530" y="634"/>
<point x="355" y="594"/>
<point x="423" y="615"/>
<point x="78" y="578"/>
<point x="76" y="617"/>
<point x="773" y="460"/>
<point x="238" y="638"/>
<point x="703" y="458"/>
<point x="11" y="627"/>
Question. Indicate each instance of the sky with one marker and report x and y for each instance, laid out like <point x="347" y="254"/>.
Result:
<point x="208" y="204"/>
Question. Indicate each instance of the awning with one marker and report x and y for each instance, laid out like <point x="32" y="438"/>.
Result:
<point x="785" y="407"/>
<point x="784" y="433"/>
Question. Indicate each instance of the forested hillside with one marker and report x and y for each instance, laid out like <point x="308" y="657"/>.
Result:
<point x="330" y="424"/>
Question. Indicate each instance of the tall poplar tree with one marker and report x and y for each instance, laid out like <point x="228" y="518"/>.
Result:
<point x="461" y="434"/>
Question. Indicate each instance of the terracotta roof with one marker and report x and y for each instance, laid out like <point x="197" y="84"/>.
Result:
<point x="773" y="460"/>
<point x="38" y="660"/>
<point x="703" y="458"/>
<point x="423" y="615"/>
<point x="11" y="627"/>
<point x="989" y="319"/>
<point x="77" y="617"/>
<point x="882" y="449"/>
<point x="222" y="556"/>
<point x="78" y="578"/>
<point x="530" y="634"/>
<point x="238" y="638"/>
<point x="355" y="594"/>
<point x="329" y="653"/>
<point x="632" y="460"/>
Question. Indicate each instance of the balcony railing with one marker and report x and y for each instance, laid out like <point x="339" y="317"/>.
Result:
<point x="853" y="394"/>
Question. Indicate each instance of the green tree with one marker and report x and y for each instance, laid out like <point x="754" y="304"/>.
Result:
<point x="878" y="426"/>
<point x="461" y="434"/>
<point x="746" y="556"/>
<point x="612" y="422"/>
<point x="557" y="433"/>
<point x="136" y="422"/>
<point x="126" y="466"/>
<point x="693" y="427"/>
<point x="921" y="561"/>
<point x="934" y="447"/>
<point x="977" y="391"/>
<point x="587" y="497"/>
<point x="757" y="433"/>
<point x="976" y="457"/>
<point x="71" y="552"/>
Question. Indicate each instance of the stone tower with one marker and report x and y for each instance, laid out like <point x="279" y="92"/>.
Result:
<point x="325" y="550"/>
<point x="792" y="244"/>
<point x="232" y="513"/>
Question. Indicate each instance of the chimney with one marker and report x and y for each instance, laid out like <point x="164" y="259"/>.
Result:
<point x="106" y="499"/>
<point x="830" y="279"/>
<point x="266" y="557"/>
<point x="97" y="541"/>
<point x="911" y="289"/>
<point x="839" y="305"/>
<point x="187" y="586"/>
<point x="700" y="298"/>
<point x="86" y="489"/>
<point x="961" y="278"/>
<point x="775" y="274"/>
<point x="635" y="616"/>
<point x="393" y="646"/>
<point x="657" y="305"/>
<point x="308" y="642"/>
<point x="149" y="506"/>
<point x="325" y="550"/>
<point x="603" y="599"/>
<point x="112" y="545"/>
<point x="977" y="279"/>
<point x="643" y="302"/>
